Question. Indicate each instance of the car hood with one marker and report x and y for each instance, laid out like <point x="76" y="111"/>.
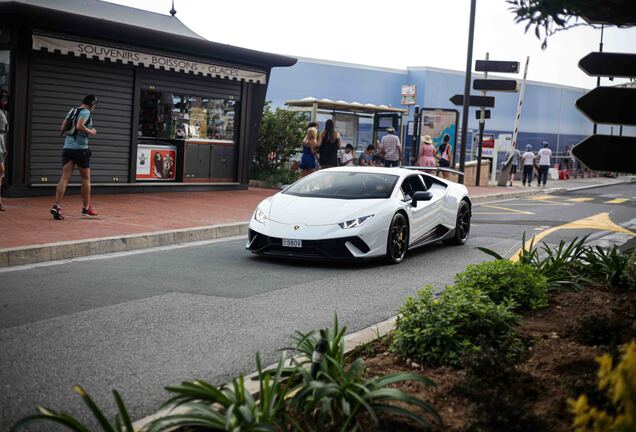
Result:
<point x="290" y="209"/>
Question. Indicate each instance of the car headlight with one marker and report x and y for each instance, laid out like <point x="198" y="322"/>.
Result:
<point x="354" y="223"/>
<point x="259" y="215"/>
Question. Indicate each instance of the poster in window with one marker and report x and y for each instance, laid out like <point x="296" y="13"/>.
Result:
<point x="156" y="162"/>
<point x="439" y="124"/>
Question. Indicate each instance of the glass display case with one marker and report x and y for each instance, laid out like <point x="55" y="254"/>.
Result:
<point x="187" y="117"/>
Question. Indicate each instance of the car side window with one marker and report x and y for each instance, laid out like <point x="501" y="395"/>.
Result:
<point x="411" y="185"/>
<point x="407" y="189"/>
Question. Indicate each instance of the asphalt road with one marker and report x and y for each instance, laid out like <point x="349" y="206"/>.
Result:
<point x="137" y="322"/>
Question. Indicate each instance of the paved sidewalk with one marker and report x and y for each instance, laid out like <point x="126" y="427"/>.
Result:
<point x="28" y="233"/>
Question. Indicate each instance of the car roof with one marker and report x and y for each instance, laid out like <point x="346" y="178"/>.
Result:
<point x="394" y="171"/>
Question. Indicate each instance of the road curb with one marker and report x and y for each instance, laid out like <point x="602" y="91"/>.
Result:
<point x="480" y="199"/>
<point x="74" y="249"/>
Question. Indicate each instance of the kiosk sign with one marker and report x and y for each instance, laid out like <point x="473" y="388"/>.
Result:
<point x="408" y="94"/>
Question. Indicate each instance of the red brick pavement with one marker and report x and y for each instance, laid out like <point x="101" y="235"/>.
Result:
<point x="27" y="221"/>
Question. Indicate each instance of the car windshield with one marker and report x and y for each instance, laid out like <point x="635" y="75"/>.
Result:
<point x="344" y="185"/>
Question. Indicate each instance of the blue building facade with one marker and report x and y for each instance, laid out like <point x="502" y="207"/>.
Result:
<point x="548" y="112"/>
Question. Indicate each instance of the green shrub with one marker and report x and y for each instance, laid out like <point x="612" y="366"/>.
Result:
<point x="506" y="281"/>
<point x="442" y="331"/>
<point x="275" y="176"/>
<point x="611" y="266"/>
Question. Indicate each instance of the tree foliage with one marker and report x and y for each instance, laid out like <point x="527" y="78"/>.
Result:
<point x="280" y="136"/>
<point x="551" y="16"/>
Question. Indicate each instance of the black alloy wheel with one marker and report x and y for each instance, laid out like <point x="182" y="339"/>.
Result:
<point x="462" y="225"/>
<point x="398" y="240"/>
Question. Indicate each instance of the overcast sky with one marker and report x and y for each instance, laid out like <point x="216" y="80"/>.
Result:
<point x="392" y="33"/>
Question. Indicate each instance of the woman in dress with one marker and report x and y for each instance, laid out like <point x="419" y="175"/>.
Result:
<point x="329" y="145"/>
<point x="308" y="159"/>
<point x="427" y="152"/>
<point x="445" y="154"/>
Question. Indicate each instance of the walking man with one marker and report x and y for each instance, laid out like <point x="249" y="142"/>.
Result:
<point x="544" y="163"/>
<point x="391" y="149"/>
<point x="528" y="165"/>
<point x="515" y="154"/>
<point x="76" y="152"/>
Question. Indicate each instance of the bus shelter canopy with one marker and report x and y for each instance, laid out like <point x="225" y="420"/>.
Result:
<point x="340" y="105"/>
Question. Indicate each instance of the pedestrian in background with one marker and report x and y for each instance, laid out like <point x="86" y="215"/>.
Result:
<point x="528" y="165"/>
<point x="445" y="154"/>
<point x="544" y="164"/>
<point x="308" y="158"/>
<point x="329" y="143"/>
<point x="427" y="152"/>
<point x="366" y="158"/>
<point x="76" y="152"/>
<point x="347" y="157"/>
<point x="391" y="149"/>
<point x="4" y="129"/>
<point x="515" y="154"/>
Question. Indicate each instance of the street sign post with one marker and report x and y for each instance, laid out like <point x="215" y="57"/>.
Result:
<point x="486" y="114"/>
<point x="607" y="153"/>
<point x="496" y="85"/>
<point x="497" y="66"/>
<point x="617" y="65"/>
<point x="609" y="105"/>
<point x="475" y="101"/>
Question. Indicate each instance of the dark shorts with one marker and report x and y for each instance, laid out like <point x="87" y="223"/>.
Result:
<point x="80" y="157"/>
<point x="444" y="163"/>
<point x="389" y="164"/>
<point x="513" y="169"/>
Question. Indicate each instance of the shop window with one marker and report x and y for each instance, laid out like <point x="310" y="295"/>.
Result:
<point x="179" y="116"/>
<point x="365" y="132"/>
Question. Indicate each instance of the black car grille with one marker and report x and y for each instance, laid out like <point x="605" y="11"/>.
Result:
<point x="329" y="249"/>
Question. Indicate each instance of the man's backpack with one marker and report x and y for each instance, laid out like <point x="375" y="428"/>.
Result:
<point x="70" y="122"/>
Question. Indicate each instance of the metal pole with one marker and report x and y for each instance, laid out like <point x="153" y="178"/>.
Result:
<point x="598" y="79"/>
<point x="482" y="124"/>
<point x="416" y="122"/>
<point x="469" y="67"/>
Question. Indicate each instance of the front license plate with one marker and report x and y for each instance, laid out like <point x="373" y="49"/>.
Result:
<point x="292" y="243"/>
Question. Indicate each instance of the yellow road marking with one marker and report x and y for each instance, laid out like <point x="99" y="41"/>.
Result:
<point x="616" y="201"/>
<point x="510" y="210"/>
<point x="581" y="199"/>
<point x="601" y="222"/>
<point x="541" y="197"/>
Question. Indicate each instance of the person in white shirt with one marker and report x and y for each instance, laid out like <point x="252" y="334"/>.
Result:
<point x="347" y="157"/>
<point x="544" y="163"/>
<point x="391" y="149"/>
<point x="528" y="165"/>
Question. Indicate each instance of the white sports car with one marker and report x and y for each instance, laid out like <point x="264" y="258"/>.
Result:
<point x="359" y="212"/>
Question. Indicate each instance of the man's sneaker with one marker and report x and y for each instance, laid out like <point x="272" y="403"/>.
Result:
<point x="56" y="211"/>
<point x="89" y="211"/>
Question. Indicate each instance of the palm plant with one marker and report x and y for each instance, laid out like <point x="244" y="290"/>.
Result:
<point x="611" y="265"/>
<point x="121" y="422"/>
<point x="231" y="408"/>
<point x="562" y="265"/>
<point x="339" y="397"/>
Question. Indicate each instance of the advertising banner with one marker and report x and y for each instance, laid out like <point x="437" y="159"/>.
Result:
<point x="408" y="94"/>
<point x="156" y="162"/>
<point x="440" y="123"/>
<point x="103" y="52"/>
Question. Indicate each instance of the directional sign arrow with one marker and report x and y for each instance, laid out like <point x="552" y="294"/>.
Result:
<point x="476" y="101"/>
<point x="613" y="105"/>
<point x="495" y="85"/>
<point x="609" y="64"/>
<point x="607" y="153"/>
<point x="497" y="66"/>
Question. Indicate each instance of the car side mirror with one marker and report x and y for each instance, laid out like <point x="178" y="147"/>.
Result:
<point x="421" y="196"/>
<point x="283" y="187"/>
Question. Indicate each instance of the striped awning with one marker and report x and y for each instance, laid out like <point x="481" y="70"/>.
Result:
<point x="157" y="61"/>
